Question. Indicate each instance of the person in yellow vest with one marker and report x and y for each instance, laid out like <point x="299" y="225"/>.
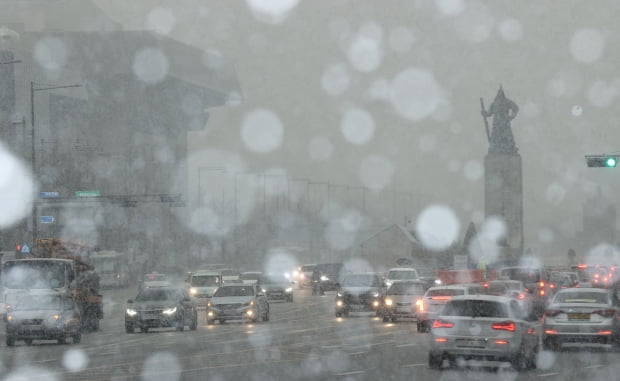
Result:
<point x="482" y="265"/>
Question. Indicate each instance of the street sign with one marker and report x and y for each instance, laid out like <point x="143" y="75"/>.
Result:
<point x="48" y="194"/>
<point x="47" y="219"/>
<point x="88" y="193"/>
<point x="25" y="248"/>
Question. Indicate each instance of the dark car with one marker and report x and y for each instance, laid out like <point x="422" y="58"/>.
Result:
<point x="326" y="277"/>
<point x="276" y="287"/>
<point x="43" y="317"/>
<point x="360" y="293"/>
<point x="161" y="307"/>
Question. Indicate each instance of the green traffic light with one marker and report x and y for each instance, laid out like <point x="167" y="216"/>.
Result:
<point x="611" y="162"/>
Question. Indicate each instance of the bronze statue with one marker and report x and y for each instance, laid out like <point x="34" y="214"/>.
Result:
<point x="503" y="111"/>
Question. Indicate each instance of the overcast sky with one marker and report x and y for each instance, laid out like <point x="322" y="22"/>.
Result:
<point x="385" y="94"/>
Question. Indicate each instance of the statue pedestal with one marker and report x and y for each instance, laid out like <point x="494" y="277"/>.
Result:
<point x="503" y="198"/>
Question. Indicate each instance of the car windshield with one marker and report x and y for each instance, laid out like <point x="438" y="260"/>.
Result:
<point x="581" y="297"/>
<point x="32" y="302"/>
<point x="159" y="295"/>
<point x="404" y="288"/>
<point x="476" y="308"/>
<point x="35" y="274"/>
<point x="205" y="280"/>
<point x="227" y="291"/>
<point x="402" y="275"/>
<point x="274" y="279"/>
<point x="361" y="281"/>
<point x="250" y="276"/>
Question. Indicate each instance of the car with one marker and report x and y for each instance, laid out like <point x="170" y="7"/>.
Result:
<point x="237" y="302"/>
<point x="250" y="276"/>
<point x="536" y="281"/>
<point x="276" y="287"/>
<point x="201" y="285"/>
<point x="560" y="280"/>
<point x="359" y="293"/>
<point x="304" y="276"/>
<point x="429" y="276"/>
<point x="483" y="327"/>
<point x="512" y="289"/>
<point x="161" y="307"/>
<point x="435" y="298"/>
<point x="401" y="298"/>
<point x="326" y="277"/>
<point x="582" y="316"/>
<point x="230" y="276"/>
<point x="45" y="316"/>
<point x="400" y="273"/>
<point x="154" y="279"/>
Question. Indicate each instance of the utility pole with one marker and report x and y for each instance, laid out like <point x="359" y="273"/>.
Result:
<point x="34" y="87"/>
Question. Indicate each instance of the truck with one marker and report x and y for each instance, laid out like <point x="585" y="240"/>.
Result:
<point x="112" y="268"/>
<point x="55" y="265"/>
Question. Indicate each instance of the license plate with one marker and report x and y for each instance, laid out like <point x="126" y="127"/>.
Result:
<point x="149" y="316"/>
<point x="473" y="343"/>
<point x="230" y="312"/>
<point x="578" y="316"/>
<point x="403" y="309"/>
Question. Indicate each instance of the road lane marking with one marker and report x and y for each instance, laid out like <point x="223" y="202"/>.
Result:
<point x="350" y="373"/>
<point x="548" y="374"/>
<point x="593" y="366"/>
<point x="407" y="345"/>
<point x="412" y="365"/>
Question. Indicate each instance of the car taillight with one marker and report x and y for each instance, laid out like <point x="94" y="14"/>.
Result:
<point x="505" y="326"/>
<point x="542" y="292"/>
<point x="441" y="297"/>
<point x="442" y="324"/>
<point x="605" y="313"/>
<point x="541" y="284"/>
<point x="553" y="313"/>
<point x="521" y="296"/>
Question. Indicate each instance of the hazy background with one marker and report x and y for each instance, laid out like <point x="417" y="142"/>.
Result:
<point x="386" y="95"/>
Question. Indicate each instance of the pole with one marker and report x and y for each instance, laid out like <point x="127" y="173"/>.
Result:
<point x="34" y="167"/>
<point x="486" y="123"/>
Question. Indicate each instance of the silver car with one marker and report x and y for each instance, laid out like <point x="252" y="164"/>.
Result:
<point x="47" y="316"/>
<point x="238" y="302"/>
<point x="582" y="316"/>
<point x="483" y="327"/>
<point x="401" y="298"/>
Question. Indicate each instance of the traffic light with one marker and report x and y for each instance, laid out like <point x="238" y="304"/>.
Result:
<point x="604" y="161"/>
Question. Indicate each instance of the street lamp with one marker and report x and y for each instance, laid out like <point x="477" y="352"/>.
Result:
<point x="34" y="87"/>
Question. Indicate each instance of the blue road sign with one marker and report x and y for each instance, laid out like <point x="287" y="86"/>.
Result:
<point x="47" y="219"/>
<point x="25" y="248"/>
<point x="48" y="194"/>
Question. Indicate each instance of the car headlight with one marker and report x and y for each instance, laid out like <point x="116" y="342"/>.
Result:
<point x="9" y="317"/>
<point x="375" y="294"/>
<point x="289" y="289"/>
<point x="250" y="303"/>
<point x="437" y="281"/>
<point x="388" y="283"/>
<point x="388" y="302"/>
<point x="263" y="290"/>
<point x="339" y="294"/>
<point x="131" y="312"/>
<point x="170" y="311"/>
<point x="209" y="304"/>
<point x="193" y="290"/>
<point x="324" y="278"/>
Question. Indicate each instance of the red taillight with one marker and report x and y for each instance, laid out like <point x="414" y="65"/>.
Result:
<point x="521" y="296"/>
<point x="531" y="331"/>
<point x="605" y="333"/>
<point x="501" y="342"/>
<point x="551" y="332"/>
<point x="542" y="292"/>
<point x="553" y="313"/>
<point x="505" y="326"/>
<point x="442" y="324"/>
<point x="605" y="313"/>
<point x="441" y="297"/>
<point x="582" y="266"/>
<point x="441" y="340"/>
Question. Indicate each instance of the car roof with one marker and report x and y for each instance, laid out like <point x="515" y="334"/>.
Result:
<point x="402" y="269"/>
<point x="410" y="281"/>
<point x="205" y="272"/>
<point x="491" y="298"/>
<point x="455" y="286"/>
<point x="584" y="289"/>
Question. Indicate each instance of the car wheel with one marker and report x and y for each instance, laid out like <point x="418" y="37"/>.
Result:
<point x="346" y="313"/>
<point x="194" y="323"/>
<point x="393" y="320"/>
<point x="10" y="340"/>
<point x="129" y="328"/>
<point x="62" y="340"/>
<point x="144" y="329"/>
<point x="77" y="338"/>
<point x="321" y="291"/>
<point x="28" y="341"/>
<point x="210" y="322"/>
<point x="338" y="314"/>
<point x="266" y="317"/>
<point x="519" y="361"/>
<point x="434" y="360"/>
<point x="386" y="319"/>
<point x="549" y="344"/>
<point x="180" y="325"/>
<point x="531" y="361"/>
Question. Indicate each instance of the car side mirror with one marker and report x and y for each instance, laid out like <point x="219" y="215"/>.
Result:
<point x="129" y="301"/>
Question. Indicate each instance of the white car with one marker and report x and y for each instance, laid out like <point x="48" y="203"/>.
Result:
<point x="237" y="302"/>
<point x="201" y="285"/>
<point x="400" y="273"/>
<point x="154" y="280"/>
